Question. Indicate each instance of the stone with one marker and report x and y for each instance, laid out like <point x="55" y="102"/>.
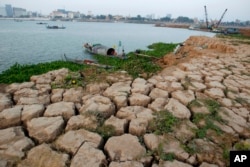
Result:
<point x="43" y="99"/>
<point x="71" y="141"/>
<point x="5" y="101"/>
<point x="120" y="125"/>
<point x="185" y="97"/>
<point x="57" y="95"/>
<point x="11" y="117"/>
<point x="174" y="163"/>
<point x="215" y="93"/>
<point x="73" y="95"/>
<point x="151" y="141"/>
<point x="138" y="126"/>
<point x="45" y="129"/>
<point x="225" y="102"/>
<point x="98" y="104"/>
<point x="158" y="93"/>
<point x="197" y="86"/>
<point x="185" y="131"/>
<point x="173" y="145"/>
<point x="120" y="101"/>
<point x="137" y="99"/>
<point x="132" y="112"/>
<point x="88" y="156"/>
<point x="43" y="155"/>
<point x="95" y="88"/>
<point x="141" y="86"/>
<point x="126" y="164"/>
<point x="12" y="88"/>
<point x="32" y="111"/>
<point x="14" y="144"/>
<point x="86" y="121"/>
<point x="205" y="164"/>
<point x="158" y="104"/>
<point x="216" y="84"/>
<point x="25" y="92"/>
<point x="64" y="109"/>
<point x="178" y="109"/>
<point x="118" y="89"/>
<point x="124" y="148"/>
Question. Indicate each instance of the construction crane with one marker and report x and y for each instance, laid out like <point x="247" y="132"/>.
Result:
<point x="206" y="16"/>
<point x="212" y="25"/>
<point x="218" y="23"/>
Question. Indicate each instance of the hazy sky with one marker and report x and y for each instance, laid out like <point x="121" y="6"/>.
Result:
<point x="237" y="9"/>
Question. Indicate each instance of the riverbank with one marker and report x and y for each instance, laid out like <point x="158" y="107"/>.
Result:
<point x="192" y="113"/>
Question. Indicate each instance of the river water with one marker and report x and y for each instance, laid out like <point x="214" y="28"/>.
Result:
<point x="30" y="43"/>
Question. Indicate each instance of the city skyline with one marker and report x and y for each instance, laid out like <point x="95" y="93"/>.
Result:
<point x="160" y="8"/>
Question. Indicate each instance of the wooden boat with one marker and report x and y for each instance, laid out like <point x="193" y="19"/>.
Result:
<point x="55" y="27"/>
<point x="100" y="49"/>
<point x="87" y="62"/>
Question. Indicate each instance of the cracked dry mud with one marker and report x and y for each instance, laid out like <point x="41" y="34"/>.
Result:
<point x="205" y="86"/>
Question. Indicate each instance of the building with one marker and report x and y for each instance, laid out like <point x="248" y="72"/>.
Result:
<point x="9" y="10"/>
<point x="19" y="12"/>
<point x="3" y="12"/>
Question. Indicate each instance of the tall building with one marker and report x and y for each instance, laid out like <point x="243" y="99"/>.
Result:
<point x="18" y="12"/>
<point x="3" y="12"/>
<point x="9" y="10"/>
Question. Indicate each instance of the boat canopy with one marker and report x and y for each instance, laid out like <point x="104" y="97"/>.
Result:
<point x="103" y="50"/>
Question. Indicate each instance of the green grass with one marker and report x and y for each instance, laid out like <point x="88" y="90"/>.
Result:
<point x="163" y="122"/>
<point x="134" y="65"/>
<point x="21" y="73"/>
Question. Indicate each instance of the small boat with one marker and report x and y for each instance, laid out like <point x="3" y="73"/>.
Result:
<point x="100" y="49"/>
<point x="87" y="62"/>
<point x="55" y="27"/>
<point x="41" y="23"/>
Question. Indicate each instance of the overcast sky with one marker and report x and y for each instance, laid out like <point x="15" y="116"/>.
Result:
<point x="237" y="9"/>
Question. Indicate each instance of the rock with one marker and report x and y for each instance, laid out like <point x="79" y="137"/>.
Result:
<point x="215" y="93"/>
<point x="57" y="95"/>
<point x="71" y="141"/>
<point x="205" y="164"/>
<point x="86" y="121"/>
<point x="120" y="125"/>
<point x="185" y="97"/>
<point x="5" y="101"/>
<point x="138" y="126"/>
<point x="43" y="155"/>
<point x="129" y="150"/>
<point x="214" y="78"/>
<point x="119" y="92"/>
<point x="185" y="131"/>
<point x="174" y="86"/>
<point x="173" y="163"/>
<point x="163" y="85"/>
<point x="88" y="156"/>
<point x="137" y="99"/>
<point x="178" y="109"/>
<point x="43" y="89"/>
<point x="12" y="88"/>
<point x="32" y="111"/>
<point x="158" y="104"/>
<point x="197" y="86"/>
<point x="216" y="84"/>
<point x="158" y="93"/>
<point x="126" y="164"/>
<point x="208" y="152"/>
<point x="64" y="109"/>
<point x="73" y="95"/>
<point x="172" y="145"/>
<point x="132" y="112"/>
<point x="99" y="104"/>
<point x="95" y="88"/>
<point x="25" y="92"/>
<point x="43" y="99"/>
<point x="13" y="144"/>
<point x="11" y="117"/>
<point x="141" y="86"/>
<point x="151" y="141"/>
<point x="225" y="102"/>
<point x="45" y="129"/>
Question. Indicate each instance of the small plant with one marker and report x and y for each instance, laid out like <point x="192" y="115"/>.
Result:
<point x="106" y="131"/>
<point x="242" y="145"/>
<point x="163" y="122"/>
